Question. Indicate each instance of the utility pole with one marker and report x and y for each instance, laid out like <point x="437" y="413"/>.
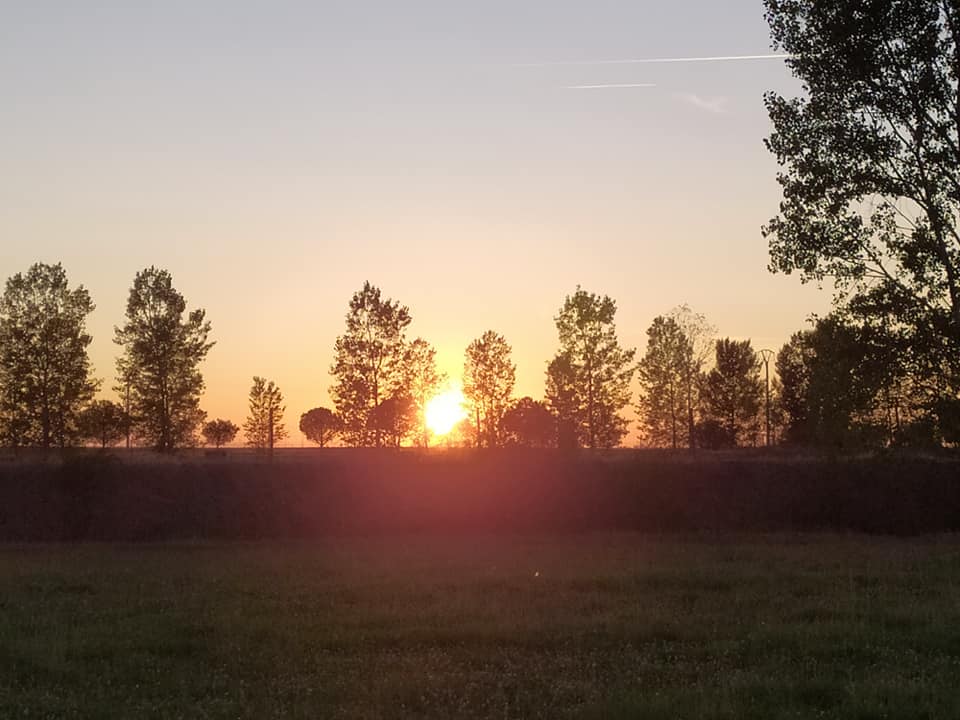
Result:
<point x="765" y="357"/>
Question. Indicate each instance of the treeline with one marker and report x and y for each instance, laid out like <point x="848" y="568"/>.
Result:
<point x="833" y="385"/>
<point x="869" y="160"/>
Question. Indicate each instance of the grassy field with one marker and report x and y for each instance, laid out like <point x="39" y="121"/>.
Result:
<point x="593" y="626"/>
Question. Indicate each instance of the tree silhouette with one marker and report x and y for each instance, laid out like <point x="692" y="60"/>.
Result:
<point x="160" y="361"/>
<point x="463" y="435"/>
<point x="793" y="368"/>
<point x="700" y="334"/>
<point x="871" y="158"/>
<point x="530" y="424"/>
<point x="368" y="362"/>
<point x="733" y="389"/>
<point x="321" y="425"/>
<point x="219" y="432"/>
<point x="564" y="401"/>
<point x="712" y="434"/>
<point x="664" y="369"/>
<point x="104" y="422"/>
<point x="597" y="370"/>
<point x="488" y="378"/>
<point x="948" y="420"/>
<point x="421" y="381"/>
<point x="44" y="367"/>
<point x="264" y="427"/>
<point x="394" y="419"/>
<point x="834" y="380"/>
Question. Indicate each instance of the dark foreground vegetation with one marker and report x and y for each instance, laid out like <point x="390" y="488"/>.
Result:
<point x="306" y="494"/>
<point x="589" y="626"/>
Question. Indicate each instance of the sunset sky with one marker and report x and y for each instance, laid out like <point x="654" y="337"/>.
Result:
<point x="274" y="155"/>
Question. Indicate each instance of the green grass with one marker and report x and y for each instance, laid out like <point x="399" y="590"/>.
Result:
<point x="537" y="627"/>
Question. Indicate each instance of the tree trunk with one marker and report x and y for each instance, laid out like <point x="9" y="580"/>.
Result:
<point x="673" y="416"/>
<point x="376" y="404"/>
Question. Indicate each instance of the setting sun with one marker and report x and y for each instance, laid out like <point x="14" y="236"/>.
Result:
<point x="444" y="411"/>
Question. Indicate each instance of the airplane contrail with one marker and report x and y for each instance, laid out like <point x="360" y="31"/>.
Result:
<point x="643" y="61"/>
<point x="610" y="85"/>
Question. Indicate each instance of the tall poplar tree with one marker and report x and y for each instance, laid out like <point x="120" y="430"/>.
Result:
<point x="733" y="389"/>
<point x="421" y="381"/>
<point x="44" y="368"/>
<point x="700" y="334"/>
<point x="264" y="426"/>
<point x="595" y="368"/>
<point x="488" y="379"/>
<point x="662" y="405"/>
<point x="564" y="401"/>
<point x="159" y="369"/>
<point x="368" y="364"/>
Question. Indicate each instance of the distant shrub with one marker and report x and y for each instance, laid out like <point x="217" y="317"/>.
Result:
<point x="711" y="435"/>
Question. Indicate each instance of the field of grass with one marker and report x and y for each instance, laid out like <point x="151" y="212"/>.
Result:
<point x="593" y="626"/>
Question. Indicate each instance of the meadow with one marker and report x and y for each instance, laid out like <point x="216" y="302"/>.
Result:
<point x="591" y="625"/>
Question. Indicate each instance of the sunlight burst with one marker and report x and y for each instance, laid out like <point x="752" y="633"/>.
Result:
<point x="444" y="411"/>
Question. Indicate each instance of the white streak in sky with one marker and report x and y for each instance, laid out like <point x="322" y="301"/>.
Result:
<point x="609" y="86"/>
<point x="642" y="61"/>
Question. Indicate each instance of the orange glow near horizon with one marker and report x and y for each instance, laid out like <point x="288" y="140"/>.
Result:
<point x="442" y="164"/>
<point x="444" y="411"/>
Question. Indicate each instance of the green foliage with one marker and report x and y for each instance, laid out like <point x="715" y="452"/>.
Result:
<point x="219" y="432"/>
<point x="104" y="422"/>
<point x="662" y="404"/>
<point x="264" y="426"/>
<point x="321" y="425"/>
<point x="44" y="367"/>
<point x="564" y="401"/>
<point x="588" y="382"/>
<point x="793" y="366"/>
<point x="871" y="168"/>
<point x="834" y="379"/>
<point x="852" y="371"/>
<point x="159" y="366"/>
<point x="733" y="390"/>
<point x="489" y="375"/>
<point x="421" y="382"/>
<point x="368" y="364"/>
<point x="529" y="423"/>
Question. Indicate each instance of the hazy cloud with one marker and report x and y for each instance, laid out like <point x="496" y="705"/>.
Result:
<point x="640" y="61"/>
<point x="715" y="105"/>
<point x="609" y="86"/>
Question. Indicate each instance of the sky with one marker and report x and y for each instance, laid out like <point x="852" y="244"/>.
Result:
<point x="275" y="155"/>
